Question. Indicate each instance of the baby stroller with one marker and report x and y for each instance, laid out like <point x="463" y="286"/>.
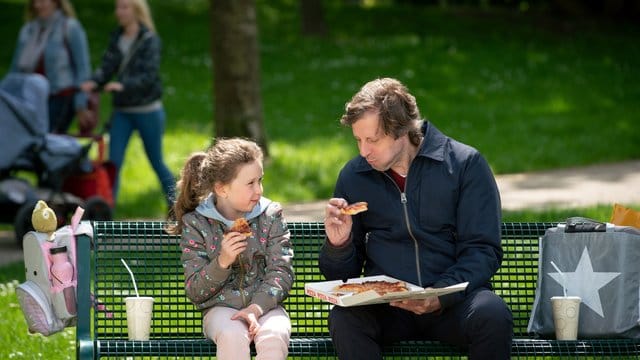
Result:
<point x="26" y="147"/>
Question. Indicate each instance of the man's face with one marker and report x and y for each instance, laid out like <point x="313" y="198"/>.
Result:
<point x="380" y="150"/>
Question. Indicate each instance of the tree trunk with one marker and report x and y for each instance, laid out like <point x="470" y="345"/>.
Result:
<point x="236" y="70"/>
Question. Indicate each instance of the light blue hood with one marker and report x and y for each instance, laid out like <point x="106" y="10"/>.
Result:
<point x="208" y="209"/>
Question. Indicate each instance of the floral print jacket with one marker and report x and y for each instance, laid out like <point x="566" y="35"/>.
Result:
<point x="262" y="275"/>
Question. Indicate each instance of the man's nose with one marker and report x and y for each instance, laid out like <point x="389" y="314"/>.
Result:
<point x="364" y="150"/>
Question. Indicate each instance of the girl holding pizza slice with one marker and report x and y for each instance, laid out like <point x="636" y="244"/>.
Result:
<point x="235" y="250"/>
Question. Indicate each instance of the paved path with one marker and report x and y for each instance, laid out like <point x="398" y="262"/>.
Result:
<point x="564" y="188"/>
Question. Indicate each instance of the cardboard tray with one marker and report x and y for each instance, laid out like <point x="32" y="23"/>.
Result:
<point x="325" y="291"/>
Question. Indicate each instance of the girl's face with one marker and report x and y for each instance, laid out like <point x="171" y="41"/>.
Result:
<point x="243" y="193"/>
<point x="125" y="12"/>
<point x="44" y="8"/>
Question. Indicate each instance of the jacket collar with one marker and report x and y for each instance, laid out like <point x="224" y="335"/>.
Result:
<point x="433" y="146"/>
<point x="208" y="209"/>
<point x="433" y="143"/>
<point x="143" y="32"/>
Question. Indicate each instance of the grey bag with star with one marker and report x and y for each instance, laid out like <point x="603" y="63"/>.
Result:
<point x="601" y="264"/>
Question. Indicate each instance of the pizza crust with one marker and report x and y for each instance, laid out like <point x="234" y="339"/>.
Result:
<point x="379" y="286"/>
<point x="355" y="208"/>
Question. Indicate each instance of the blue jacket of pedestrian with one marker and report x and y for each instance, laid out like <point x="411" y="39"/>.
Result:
<point x="65" y="56"/>
<point x="442" y="230"/>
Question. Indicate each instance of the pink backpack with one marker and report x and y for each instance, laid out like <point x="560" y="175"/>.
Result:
<point x="48" y="296"/>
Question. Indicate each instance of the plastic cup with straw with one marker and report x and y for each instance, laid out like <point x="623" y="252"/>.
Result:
<point x="139" y="311"/>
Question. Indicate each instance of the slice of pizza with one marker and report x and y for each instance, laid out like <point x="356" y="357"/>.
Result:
<point x="241" y="225"/>
<point x="380" y="286"/>
<point x="355" y="208"/>
<point x="350" y="288"/>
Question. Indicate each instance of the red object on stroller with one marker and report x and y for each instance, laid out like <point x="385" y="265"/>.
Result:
<point x="26" y="146"/>
<point x="98" y="181"/>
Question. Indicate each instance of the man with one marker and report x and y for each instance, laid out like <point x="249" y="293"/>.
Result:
<point x="433" y="220"/>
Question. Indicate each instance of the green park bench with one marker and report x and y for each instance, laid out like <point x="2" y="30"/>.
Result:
<point x="154" y="257"/>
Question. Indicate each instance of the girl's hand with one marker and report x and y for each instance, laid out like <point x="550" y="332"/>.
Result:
<point x="113" y="86"/>
<point x="233" y="243"/>
<point x="250" y="315"/>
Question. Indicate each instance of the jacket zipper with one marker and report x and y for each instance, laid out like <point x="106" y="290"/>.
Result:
<point x="241" y="284"/>
<point x="241" y="280"/>
<point x="403" y="200"/>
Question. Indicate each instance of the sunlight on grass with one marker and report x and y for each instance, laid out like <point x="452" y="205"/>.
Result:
<point x="19" y="346"/>
<point x="487" y="78"/>
<point x="140" y="188"/>
<point x="557" y="105"/>
<point x="286" y="178"/>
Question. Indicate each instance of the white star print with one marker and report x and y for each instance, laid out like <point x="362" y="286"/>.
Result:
<point x="585" y="283"/>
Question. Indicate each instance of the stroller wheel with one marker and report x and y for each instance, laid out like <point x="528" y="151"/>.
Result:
<point x="22" y="223"/>
<point x="96" y="208"/>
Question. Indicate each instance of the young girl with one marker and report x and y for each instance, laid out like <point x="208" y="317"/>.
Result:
<point x="238" y="281"/>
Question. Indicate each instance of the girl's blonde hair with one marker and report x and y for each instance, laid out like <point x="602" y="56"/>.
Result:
<point x="143" y="13"/>
<point x="64" y="5"/>
<point x="220" y="164"/>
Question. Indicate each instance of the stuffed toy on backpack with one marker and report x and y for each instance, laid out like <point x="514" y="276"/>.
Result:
<point x="44" y="219"/>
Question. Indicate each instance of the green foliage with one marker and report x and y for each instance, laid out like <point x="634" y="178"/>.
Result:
<point x="529" y="90"/>
<point x="15" y="340"/>
<point x="599" y="213"/>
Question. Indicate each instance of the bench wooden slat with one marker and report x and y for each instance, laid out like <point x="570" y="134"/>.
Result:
<point x="154" y="257"/>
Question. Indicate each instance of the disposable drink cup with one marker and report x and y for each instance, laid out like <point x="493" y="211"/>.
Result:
<point x="139" y="310"/>
<point x="566" y="313"/>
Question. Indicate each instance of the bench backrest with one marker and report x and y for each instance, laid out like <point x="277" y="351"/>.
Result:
<point x="154" y="258"/>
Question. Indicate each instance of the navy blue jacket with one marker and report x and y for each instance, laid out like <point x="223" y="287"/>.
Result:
<point x="140" y="74"/>
<point x="444" y="229"/>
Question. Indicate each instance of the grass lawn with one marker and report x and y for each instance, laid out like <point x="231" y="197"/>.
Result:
<point x="530" y="91"/>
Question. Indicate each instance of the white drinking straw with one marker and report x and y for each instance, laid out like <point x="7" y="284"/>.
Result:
<point x="132" y="278"/>
<point x="564" y="279"/>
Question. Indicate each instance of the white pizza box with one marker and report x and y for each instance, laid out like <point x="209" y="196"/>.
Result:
<point x="325" y="291"/>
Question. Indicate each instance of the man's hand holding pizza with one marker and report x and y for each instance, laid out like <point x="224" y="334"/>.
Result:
<point x="337" y="220"/>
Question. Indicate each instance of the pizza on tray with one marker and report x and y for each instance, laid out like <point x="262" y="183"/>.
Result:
<point x="380" y="286"/>
<point x="355" y="208"/>
<point x="241" y="225"/>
